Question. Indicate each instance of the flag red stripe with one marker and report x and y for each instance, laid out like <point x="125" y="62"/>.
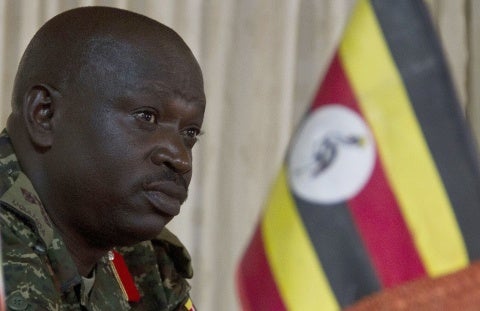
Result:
<point x="255" y="279"/>
<point x="375" y="210"/>
<point x="383" y="228"/>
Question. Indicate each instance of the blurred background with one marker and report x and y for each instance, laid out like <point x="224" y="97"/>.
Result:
<point x="262" y="62"/>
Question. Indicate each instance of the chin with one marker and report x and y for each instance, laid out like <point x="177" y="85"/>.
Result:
<point x="146" y="230"/>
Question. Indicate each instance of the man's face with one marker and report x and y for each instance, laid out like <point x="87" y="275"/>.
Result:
<point x="122" y="153"/>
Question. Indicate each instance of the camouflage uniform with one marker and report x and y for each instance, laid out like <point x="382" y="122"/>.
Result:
<point x="40" y="273"/>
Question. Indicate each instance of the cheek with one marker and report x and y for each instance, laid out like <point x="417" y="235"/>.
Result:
<point x="114" y="144"/>
<point x="107" y="160"/>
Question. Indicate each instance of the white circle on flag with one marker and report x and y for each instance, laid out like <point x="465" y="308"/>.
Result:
<point x="332" y="155"/>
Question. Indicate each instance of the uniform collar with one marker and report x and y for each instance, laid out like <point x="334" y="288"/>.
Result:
<point x="23" y="200"/>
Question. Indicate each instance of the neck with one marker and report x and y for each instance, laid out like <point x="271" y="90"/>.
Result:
<point x="85" y="253"/>
<point x="84" y="256"/>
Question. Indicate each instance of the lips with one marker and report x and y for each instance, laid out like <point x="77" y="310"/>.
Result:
<point x="166" y="197"/>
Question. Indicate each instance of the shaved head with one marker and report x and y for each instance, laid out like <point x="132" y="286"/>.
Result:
<point x="81" y="43"/>
<point x="106" y="108"/>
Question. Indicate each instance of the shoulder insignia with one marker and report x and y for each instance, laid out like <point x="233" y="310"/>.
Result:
<point x="123" y="276"/>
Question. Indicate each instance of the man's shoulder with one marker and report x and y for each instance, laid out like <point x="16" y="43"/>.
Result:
<point x="165" y="249"/>
<point x="175" y="250"/>
<point x="165" y="262"/>
<point x="25" y="267"/>
<point x="20" y="247"/>
<point x="15" y="231"/>
<point x="9" y="166"/>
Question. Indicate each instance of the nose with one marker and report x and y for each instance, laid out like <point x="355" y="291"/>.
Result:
<point x="173" y="153"/>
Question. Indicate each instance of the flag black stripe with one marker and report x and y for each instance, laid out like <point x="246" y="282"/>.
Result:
<point x="426" y="78"/>
<point x="340" y="250"/>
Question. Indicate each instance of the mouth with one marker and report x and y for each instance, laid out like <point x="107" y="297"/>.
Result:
<point x="165" y="197"/>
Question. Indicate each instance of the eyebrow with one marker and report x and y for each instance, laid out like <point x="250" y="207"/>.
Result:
<point x="160" y="89"/>
<point x="155" y="88"/>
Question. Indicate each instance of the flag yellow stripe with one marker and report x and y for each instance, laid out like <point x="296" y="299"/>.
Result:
<point x="405" y="155"/>
<point x="292" y="258"/>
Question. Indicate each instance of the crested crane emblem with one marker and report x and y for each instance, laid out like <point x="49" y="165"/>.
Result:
<point x="327" y="150"/>
<point x="332" y="156"/>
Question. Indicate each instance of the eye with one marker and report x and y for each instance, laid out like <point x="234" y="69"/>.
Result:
<point x="191" y="135"/>
<point x="191" y="132"/>
<point x="146" y="116"/>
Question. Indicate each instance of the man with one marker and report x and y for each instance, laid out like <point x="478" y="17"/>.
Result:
<point x="96" y="159"/>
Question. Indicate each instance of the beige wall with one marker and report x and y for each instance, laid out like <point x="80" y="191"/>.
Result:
<point x="262" y="60"/>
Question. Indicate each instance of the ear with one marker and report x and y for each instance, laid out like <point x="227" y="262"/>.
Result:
<point x="38" y="110"/>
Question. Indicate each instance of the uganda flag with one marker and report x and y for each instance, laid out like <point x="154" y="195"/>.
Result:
<point x="381" y="186"/>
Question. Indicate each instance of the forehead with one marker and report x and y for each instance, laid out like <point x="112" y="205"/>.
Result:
<point x="164" y="91"/>
<point x="126" y="62"/>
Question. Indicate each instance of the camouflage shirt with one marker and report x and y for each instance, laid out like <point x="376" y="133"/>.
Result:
<point x="40" y="273"/>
